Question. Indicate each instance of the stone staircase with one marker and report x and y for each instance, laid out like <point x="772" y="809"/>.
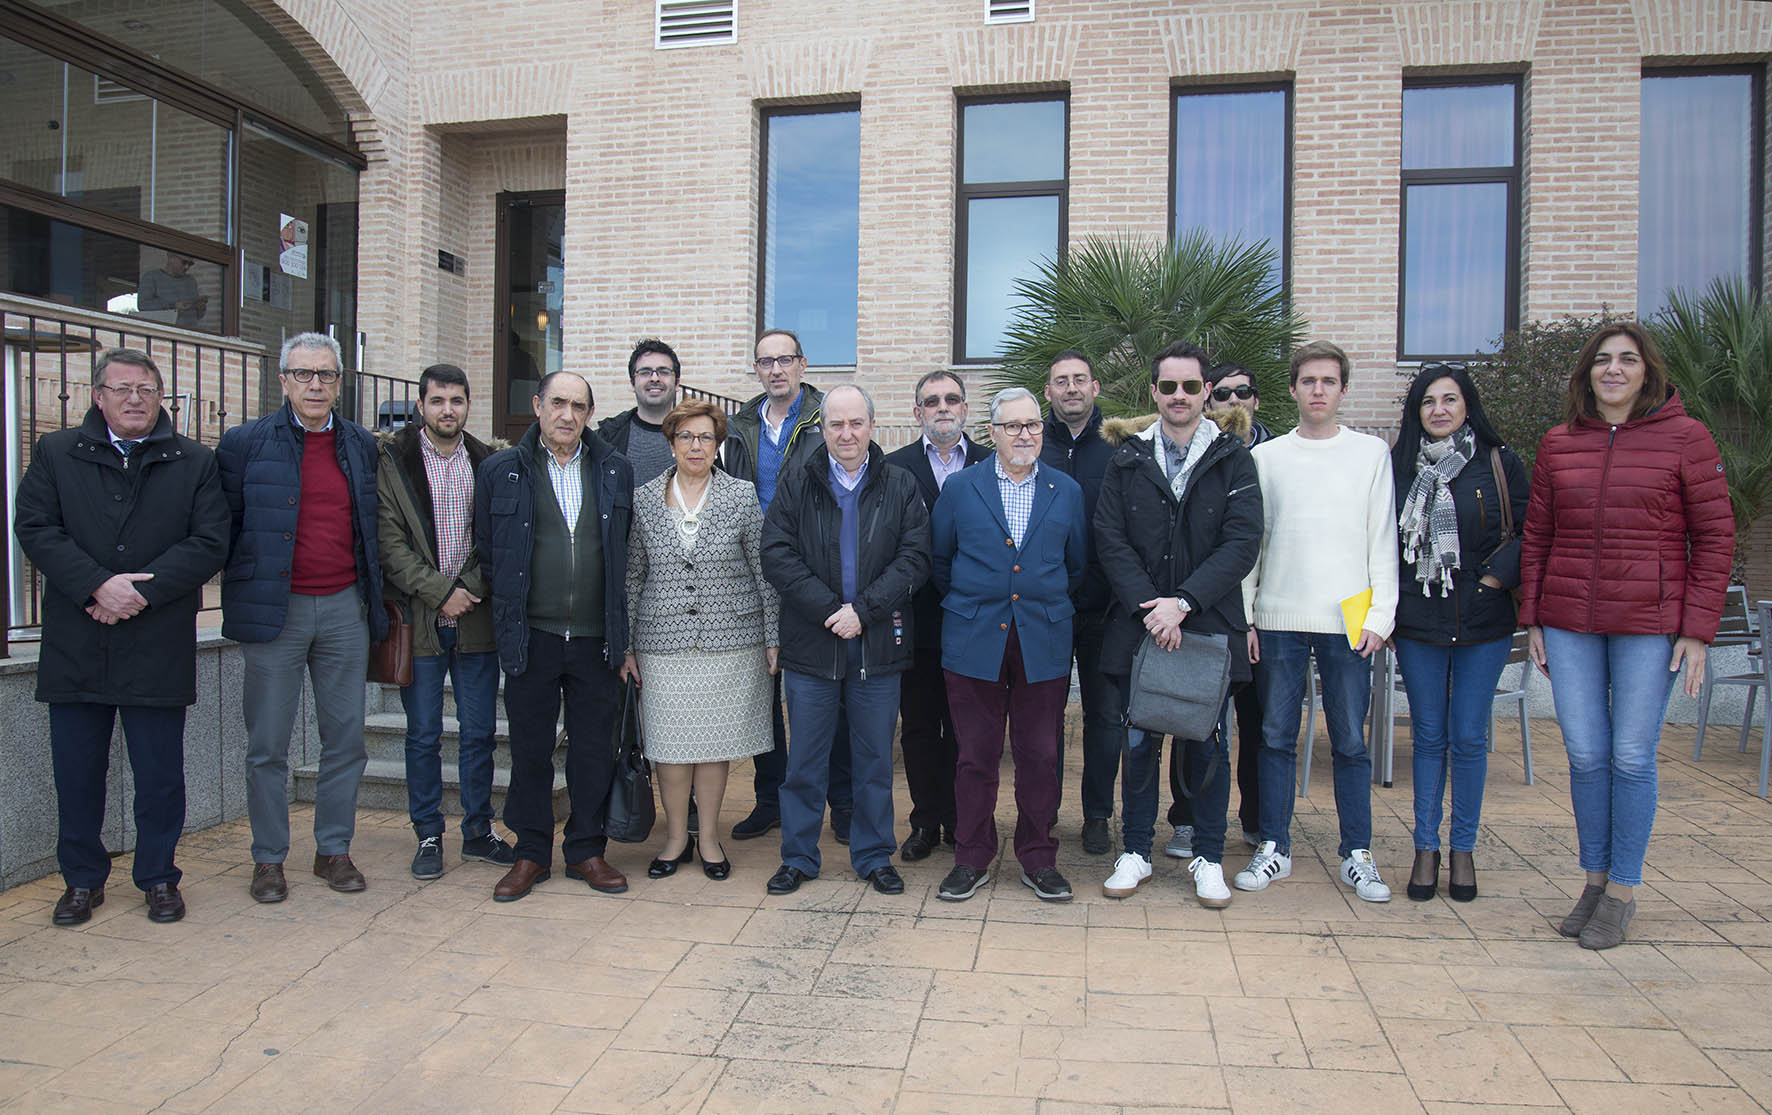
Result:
<point x="384" y="736"/>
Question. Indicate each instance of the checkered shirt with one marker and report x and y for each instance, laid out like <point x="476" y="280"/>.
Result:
<point x="1018" y="499"/>
<point x="568" y="485"/>
<point x="452" y="502"/>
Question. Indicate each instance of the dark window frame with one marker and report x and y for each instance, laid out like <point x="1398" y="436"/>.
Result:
<point x="766" y="113"/>
<point x="965" y="193"/>
<point x="1513" y="177"/>
<point x="1179" y="90"/>
<point x="504" y="423"/>
<point x="1756" y="205"/>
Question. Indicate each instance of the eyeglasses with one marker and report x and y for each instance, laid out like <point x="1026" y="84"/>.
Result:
<point x="1188" y="386"/>
<point x="307" y="375"/>
<point x="1018" y="429"/>
<point x="138" y="391"/>
<point x="932" y="401"/>
<point x="687" y="439"/>
<point x="1444" y="369"/>
<point x="1241" y="391"/>
<point x="765" y="363"/>
<point x="660" y="373"/>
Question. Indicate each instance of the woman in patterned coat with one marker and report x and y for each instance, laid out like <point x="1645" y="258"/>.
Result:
<point x="704" y="630"/>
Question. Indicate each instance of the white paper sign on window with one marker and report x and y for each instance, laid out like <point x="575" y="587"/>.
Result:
<point x="292" y="255"/>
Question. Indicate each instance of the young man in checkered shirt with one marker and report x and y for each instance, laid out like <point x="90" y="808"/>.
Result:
<point x="425" y="501"/>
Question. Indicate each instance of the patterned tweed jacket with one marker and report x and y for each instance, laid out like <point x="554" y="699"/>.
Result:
<point x="712" y="598"/>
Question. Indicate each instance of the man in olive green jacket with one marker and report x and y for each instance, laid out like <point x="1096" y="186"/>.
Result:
<point x="425" y="498"/>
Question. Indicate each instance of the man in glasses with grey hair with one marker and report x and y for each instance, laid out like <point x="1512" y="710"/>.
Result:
<point x="302" y="596"/>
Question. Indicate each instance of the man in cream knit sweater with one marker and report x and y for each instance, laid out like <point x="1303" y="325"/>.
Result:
<point x="1330" y="535"/>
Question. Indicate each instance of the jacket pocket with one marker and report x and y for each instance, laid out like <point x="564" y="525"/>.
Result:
<point x="960" y="606"/>
<point x="503" y="505"/>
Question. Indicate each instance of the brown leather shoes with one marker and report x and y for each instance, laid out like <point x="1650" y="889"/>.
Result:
<point x="339" y="872"/>
<point x="268" y="884"/>
<point x="523" y="875"/>
<point x="597" y="872"/>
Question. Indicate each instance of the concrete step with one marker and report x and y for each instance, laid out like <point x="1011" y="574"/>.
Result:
<point x="386" y="698"/>
<point x="384" y="786"/>
<point x="384" y="735"/>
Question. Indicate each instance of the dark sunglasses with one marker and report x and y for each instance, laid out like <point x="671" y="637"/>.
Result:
<point x="1241" y="391"/>
<point x="1442" y="368"/>
<point x="1187" y="386"/>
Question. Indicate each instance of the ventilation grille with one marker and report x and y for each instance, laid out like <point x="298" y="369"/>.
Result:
<point x="696" y="23"/>
<point x="108" y="92"/>
<point x="1009" y="11"/>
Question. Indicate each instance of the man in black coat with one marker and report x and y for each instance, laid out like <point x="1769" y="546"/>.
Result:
<point x="1177" y="527"/>
<point x="1073" y="445"/>
<point x="925" y="726"/>
<point x="126" y="521"/>
<point x="846" y="543"/>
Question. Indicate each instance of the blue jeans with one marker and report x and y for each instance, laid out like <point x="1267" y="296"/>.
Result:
<point x="1451" y="692"/>
<point x="1139" y="785"/>
<point x="771" y="767"/>
<point x="476" y="696"/>
<point x="1611" y="693"/>
<point x="1280" y="679"/>
<point x="871" y="706"/>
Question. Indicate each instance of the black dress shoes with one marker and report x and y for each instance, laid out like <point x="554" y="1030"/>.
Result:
<point x="886" y="880"/>
<point x="758" y="822"/>
<point x="665" y="868"/>
<point x="165" y="904"/>
<point x="76" y="903"/>
<point x="787" y="880"/>
<point x="717" y="870"/>
<point x="920" y="844"/>
<point x="1096" y="840"/>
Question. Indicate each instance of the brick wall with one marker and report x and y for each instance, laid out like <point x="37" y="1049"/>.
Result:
<point x="658" y="153"/>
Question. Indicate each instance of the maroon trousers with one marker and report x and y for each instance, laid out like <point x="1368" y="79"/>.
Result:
<point x="1033" y="712"/>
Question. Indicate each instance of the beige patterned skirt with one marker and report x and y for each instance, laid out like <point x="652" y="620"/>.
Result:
<point x="706" y="707"/>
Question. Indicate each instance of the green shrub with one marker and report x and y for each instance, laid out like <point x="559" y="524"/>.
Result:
<point x="1524" y="384"/>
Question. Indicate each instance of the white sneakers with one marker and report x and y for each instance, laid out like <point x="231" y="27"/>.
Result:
<point x="1358" y="871"/>
<point x="1130" y="870"/>
<point x="1269" y="864"/>
<point x="1209" y="885"/>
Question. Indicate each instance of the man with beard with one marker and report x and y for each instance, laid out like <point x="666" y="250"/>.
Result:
<point x="637" y="433"/>
<point x="424" y="488"/>
<point x="926" y="726"/>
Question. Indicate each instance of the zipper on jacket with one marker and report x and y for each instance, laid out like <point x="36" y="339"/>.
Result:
<point x="1600" y="528"/>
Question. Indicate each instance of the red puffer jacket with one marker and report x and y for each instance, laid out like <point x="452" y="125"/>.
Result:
<point x="1629" y="530"/>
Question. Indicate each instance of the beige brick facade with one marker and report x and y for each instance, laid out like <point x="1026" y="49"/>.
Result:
<point x="658" y="153"/>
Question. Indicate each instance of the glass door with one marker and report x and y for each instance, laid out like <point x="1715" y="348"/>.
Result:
<point x="529" y="279"/>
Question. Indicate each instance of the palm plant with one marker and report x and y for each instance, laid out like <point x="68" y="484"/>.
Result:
<point x="1718" y="349"/>
<point x="1121" y="299"/>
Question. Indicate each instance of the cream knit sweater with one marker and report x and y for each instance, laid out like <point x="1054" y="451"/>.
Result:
<point x="1330" y="532"/>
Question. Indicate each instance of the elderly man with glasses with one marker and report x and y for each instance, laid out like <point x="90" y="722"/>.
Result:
<point x="302" y="595"/>
<point x="1009" y="545"/>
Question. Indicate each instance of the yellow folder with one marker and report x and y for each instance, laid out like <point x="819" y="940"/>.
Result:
<point x="1353" y="614"/>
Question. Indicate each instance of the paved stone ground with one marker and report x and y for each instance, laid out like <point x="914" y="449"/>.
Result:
<point x="691" y="995"/>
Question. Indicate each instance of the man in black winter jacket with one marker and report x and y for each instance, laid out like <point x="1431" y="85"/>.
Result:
<point x="1177" y="527"/>
<point x="636" y="433"/>
<point x="1073" y="445"/>
<point x="126" y="521"/>
<point x="846" y="543"/>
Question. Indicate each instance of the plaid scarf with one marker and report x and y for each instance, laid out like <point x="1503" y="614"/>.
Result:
<point x="1428" y="523"/>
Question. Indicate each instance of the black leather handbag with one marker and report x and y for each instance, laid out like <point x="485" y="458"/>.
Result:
<point x="632" y="809"/>
<point x="1180" y="692"/>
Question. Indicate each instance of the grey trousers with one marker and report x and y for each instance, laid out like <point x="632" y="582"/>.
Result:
<point x="328" y="637"/>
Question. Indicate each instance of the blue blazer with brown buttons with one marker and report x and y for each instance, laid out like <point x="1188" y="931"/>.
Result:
<point x="987" y="582"/>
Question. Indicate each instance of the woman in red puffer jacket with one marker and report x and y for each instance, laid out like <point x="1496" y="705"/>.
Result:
<point x="1626" y="556"/>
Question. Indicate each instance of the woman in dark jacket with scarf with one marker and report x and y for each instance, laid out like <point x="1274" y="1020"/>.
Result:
<point x="1455" y="616"/>
<point x="1629" y="538"/>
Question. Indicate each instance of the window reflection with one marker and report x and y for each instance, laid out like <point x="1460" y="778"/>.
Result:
<point x="1230" y="167"/>
<point x="1452" y="126"/>
<point x="812" y="230"/>
<point x="1006" y="237"/>
<point x="60" y="262"/>
<point x="1455" y="267"/>
<point x="69" y="132"/>
<point x="1014" y="141"/>
<point x="1695" y="201"/>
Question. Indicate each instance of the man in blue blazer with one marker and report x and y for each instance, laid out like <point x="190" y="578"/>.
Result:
<point x="1009" y="543"/>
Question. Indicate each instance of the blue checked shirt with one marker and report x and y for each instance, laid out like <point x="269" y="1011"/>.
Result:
<point x="1018" y="499"/>
<point x="568" y="486"/>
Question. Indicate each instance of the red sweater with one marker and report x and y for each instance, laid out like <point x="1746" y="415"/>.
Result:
<point x="1629" y="530"/>
<point x="325" y="560"/>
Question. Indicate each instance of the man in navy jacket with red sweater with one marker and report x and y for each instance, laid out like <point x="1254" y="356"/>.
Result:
<point x="302" y="593"/>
